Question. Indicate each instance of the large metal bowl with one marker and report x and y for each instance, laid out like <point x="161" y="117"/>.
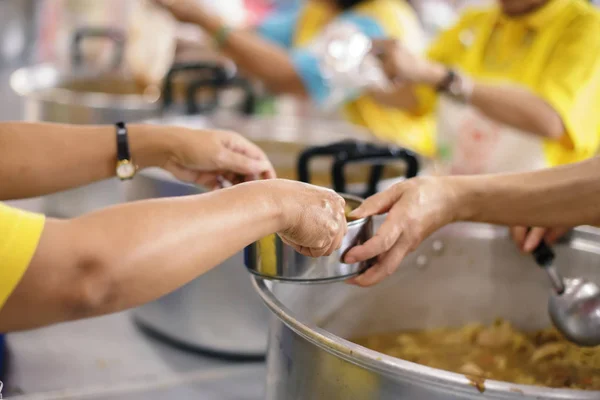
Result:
<point x="476" y="275"/>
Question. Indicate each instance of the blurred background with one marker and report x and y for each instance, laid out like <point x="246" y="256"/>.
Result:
<point x="69" y="61"/>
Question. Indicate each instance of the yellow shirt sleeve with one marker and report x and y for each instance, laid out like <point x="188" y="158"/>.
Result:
<point x="20" y="232"/>
<point x="571" y="84"/>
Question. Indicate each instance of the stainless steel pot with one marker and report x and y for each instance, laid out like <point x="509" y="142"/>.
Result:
<point x="220" y="311"/>
<point x="79" y="95"/>
<point x="464" y="273"/>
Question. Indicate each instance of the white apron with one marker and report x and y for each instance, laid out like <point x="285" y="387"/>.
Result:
<point x="471" y="143"/>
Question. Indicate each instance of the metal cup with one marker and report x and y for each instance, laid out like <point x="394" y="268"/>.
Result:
<point x="272" y="259"/>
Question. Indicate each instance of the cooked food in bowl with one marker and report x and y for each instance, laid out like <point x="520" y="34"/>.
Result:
<point x="351" y="205"/>
<point x="499" y="352"/>
<point x="347" y="210"/>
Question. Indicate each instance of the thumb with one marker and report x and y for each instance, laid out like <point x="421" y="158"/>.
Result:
<point x="379" y="203"/>
<point x="242" y="164"/>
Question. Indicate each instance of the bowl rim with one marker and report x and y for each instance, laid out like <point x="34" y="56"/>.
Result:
<point x="358" y="199"/>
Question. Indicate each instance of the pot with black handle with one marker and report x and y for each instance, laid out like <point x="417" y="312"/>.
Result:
<point x="219" y="312"/>
<point x="80" y="95"/>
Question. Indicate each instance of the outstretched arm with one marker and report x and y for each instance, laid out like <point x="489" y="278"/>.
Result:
<point x="559" y="197"/>
<point x="130" y="254"/>
<point x="42" y="158"/>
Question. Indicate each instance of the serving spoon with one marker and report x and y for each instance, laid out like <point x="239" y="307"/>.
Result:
<point x="574" y="305"/>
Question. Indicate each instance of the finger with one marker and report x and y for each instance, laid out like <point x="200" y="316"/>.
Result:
<point x="552" y="235"/>
<point x="314" y="251"/>
<point x="386" y="266"/>
<point x="206" y="179"/>
<point x="240" y="144"/>
<point x="518" y="234"/>
<point x="380" y="243"/>
<point x="242" y="164"/>
<point x="379" y="203"/>
<point x="534" y="237"/>
<point x="336" y="243"/>
<point x="269" y="174"/>
<point x="318" y="250"/>
<point x="340" y="227"/>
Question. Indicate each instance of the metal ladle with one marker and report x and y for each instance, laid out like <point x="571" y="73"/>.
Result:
<point x="574" y="305"/>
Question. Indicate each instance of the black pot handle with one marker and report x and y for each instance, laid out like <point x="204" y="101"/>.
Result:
<point x="354" y="152"/>
<point x="378" y="157"/>
<point x="330" y="150"/>
<point x="193" y="107"/>
<point x="217" y="73"/>
<point x="111" y="34"/>
<point x="248" y="106"/>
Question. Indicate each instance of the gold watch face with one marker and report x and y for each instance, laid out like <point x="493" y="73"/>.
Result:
<point x="125" y="169"/>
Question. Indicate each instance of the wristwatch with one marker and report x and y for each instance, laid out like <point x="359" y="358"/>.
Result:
<point x="457" y="86"/>
<point x="126" y="169"/>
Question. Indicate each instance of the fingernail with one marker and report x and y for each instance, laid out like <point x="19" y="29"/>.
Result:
<point x="350" y="260"/>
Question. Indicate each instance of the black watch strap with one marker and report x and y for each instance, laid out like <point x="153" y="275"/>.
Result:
<point x="122" y="142"/>
<point x="444" y="85"/>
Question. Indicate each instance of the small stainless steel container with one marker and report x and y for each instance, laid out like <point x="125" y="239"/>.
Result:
<point x="271" y="258"/>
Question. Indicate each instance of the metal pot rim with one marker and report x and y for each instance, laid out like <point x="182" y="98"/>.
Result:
<point x="410" y="371"/>
<point x="41" y="88"/>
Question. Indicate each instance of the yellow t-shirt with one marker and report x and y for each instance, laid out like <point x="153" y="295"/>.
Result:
<point x="554" y="51"/>
<point x="20" y="232"/>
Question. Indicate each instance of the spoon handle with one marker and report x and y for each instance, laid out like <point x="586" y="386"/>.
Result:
<point x="544" y="257"/>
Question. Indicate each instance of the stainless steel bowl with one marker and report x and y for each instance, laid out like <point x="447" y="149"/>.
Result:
<point x="271" y="258"/>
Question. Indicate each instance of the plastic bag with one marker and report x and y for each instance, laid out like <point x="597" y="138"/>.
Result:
<point x="346" y="62"/>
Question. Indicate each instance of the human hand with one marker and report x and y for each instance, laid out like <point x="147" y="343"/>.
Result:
<point x="313" y="218"/>
<point x="401" y="65"/>
<point x="204" y="157"/>
<point x="528" y="241"/>
<point x="182" y="10"/>
<point x="416" y="208"/>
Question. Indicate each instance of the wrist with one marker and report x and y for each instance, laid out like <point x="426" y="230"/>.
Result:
<point x="151" y="146"/>
<point x="210" y="23"/>
<point x="266" y="202"/>
<point x="434" y="74"/>
<point x="464" y="198"/>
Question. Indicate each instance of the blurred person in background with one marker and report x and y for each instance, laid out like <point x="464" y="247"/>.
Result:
<point x="287" y="52"/>
<point x="105" y="261"/>
<point x="515" y="87"/>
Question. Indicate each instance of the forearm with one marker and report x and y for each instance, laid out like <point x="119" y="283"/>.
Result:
<point x="42" y="158"/>
<point x="559" y="197"/>
<point x="399" y="96"/>
<point x="130" y="254"/>
<point x="519" y="108"/>
<point x="256" y="56"/>
<point x="510" y="105"/>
